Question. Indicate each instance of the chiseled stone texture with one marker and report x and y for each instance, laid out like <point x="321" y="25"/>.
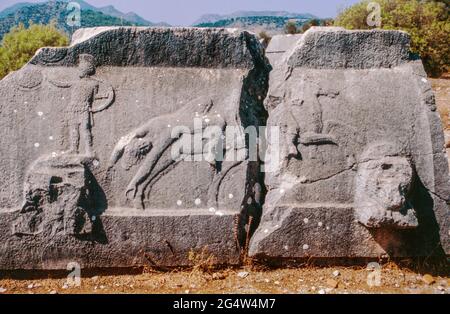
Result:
<point x="362" y="169"/>
<point x="87" y="172"/>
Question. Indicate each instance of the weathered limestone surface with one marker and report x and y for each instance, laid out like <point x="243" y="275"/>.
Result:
<point x="278" y="46"/>
<point x="94" y="168"/>
<point x="87" y="173"/>
<point x="362" y="169"/>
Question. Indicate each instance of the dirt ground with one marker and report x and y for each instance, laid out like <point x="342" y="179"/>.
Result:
<point x="441" y="89"/>
<point x="308" y="279"/>
<point x="302" y="280"/>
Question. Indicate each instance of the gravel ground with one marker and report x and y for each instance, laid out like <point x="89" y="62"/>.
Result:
<point x="441" y="89"/>
<point x="305" y="280"/>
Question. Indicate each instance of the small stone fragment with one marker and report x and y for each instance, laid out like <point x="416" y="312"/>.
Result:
<point x="336" y="273"/>
<point x="428" y="279"/>
<point x="218" y="276"/>
<point x="243" y="274"/>
<point x="332" y="283"/>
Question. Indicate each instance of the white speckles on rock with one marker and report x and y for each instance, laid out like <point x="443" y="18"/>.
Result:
<point x="197" y="201"/>
<point x="40" y="113"/>
<point x="37" y="145"/>
<point x="230" y="196"/>
<point x="50" y="138"/>
<point x="320" y="224"/>
<point x="306" y="220"/>
<point x="305" y="247"/>
<point x="219" y="213"/>
<point x="211" y="209"/>
<point x="266" y="230"/>
<point x="179" y="202"/>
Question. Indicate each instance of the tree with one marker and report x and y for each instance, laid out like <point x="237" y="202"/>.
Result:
<point x="20" y="44"/>
<point x="265" y="38"/>
<point x="309" y="24"/>
<point x="427" y="22"/>
<point x="290" y="28"/>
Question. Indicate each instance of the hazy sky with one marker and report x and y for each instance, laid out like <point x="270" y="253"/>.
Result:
<point x="185" y="12"/>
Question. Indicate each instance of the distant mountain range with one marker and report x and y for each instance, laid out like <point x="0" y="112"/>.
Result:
<point x="212" y="18"/>
<point x="43" y="13"/>
<point x="269" y="21"/>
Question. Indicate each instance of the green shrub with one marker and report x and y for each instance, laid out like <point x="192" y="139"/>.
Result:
<point x="265" y="38"/>
<point x="20" y="44"/>
<point x="290" y="28"/>
<point x="427" y="22"/>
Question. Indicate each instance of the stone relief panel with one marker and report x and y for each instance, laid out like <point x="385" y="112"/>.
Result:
<point x="352" y="179"/>
<point x="98" y="145"/>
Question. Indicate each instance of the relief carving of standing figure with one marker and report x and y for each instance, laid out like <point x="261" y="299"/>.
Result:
<point x="84" y="93"/>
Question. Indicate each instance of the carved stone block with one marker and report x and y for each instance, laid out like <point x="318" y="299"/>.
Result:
<point x="97" y="136"/>
<point x="362" y="170"/>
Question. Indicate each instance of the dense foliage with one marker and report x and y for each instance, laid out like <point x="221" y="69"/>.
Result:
<point x="427" y="22"/>
<point x="21" y="43"/>
<point x="57" y="11"/>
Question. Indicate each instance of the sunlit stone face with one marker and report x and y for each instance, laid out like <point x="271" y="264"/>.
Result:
<point x="382" y="187"/>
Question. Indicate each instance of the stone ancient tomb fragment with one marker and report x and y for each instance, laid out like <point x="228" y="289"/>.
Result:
<point x="116" y="151"/>
<point x="361" y="167"/>
<point x="96" y="162"/>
